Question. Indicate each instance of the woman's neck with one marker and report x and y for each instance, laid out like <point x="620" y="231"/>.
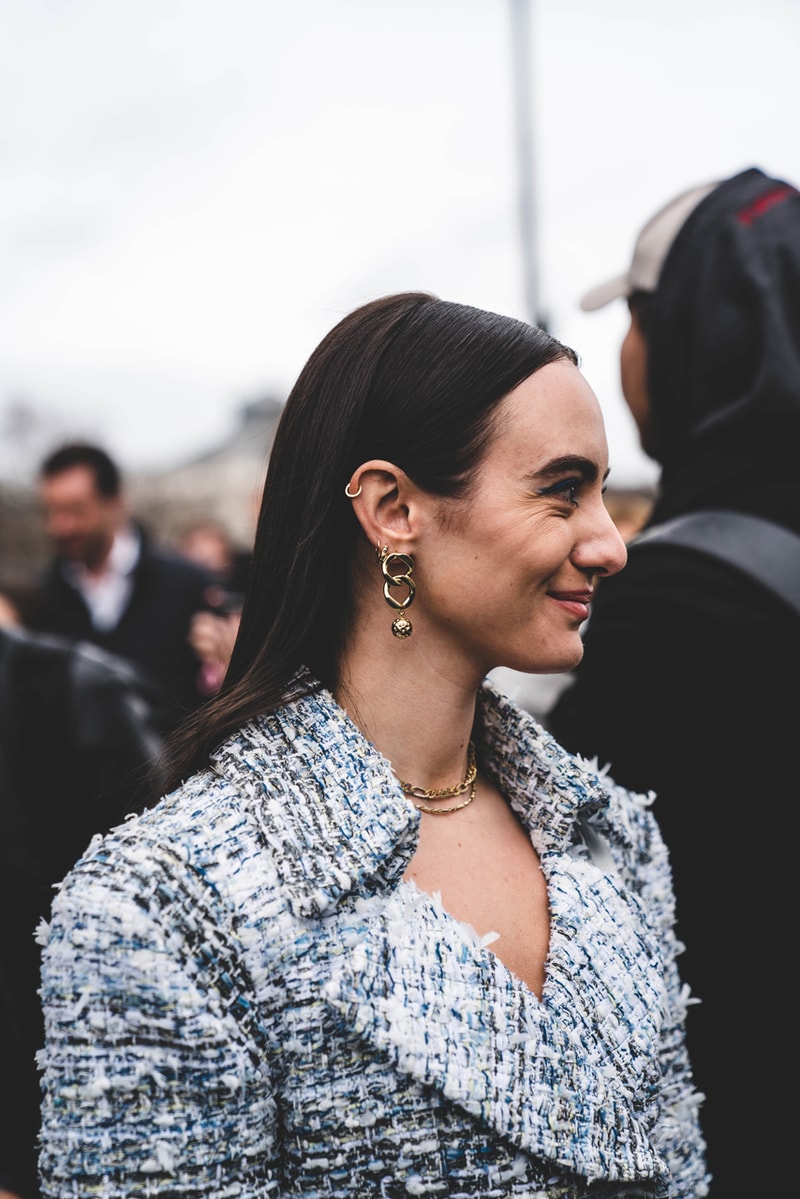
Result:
<point x="417" y="714"/>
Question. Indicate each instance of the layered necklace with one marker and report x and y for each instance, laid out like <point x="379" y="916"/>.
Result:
<point x="468" y="784"/>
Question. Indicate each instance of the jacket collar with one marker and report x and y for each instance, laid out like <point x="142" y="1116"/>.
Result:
<point x="342" y="822"/>
<point x="410" y="980"/>
<point x="562" y="1079"/>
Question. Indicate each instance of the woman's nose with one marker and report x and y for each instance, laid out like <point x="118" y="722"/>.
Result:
<point x="603" y="551"/>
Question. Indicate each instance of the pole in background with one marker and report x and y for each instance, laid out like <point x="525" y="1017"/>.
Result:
<point x="520" y="47"/>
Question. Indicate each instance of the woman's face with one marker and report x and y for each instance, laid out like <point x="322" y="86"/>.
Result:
<point x="509" y="572"/>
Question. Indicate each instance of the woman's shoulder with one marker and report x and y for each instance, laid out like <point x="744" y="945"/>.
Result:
<point x="183" y="829"/>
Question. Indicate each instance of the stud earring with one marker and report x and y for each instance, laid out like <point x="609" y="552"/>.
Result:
<point x="401" y="625"/>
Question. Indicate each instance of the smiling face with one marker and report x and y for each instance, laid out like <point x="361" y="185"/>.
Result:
<point x="508" y="574"/>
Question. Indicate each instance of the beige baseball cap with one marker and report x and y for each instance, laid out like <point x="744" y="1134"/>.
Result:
<point x="650" y="250"/>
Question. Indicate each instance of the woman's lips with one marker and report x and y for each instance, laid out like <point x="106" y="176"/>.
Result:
<point x="574" y="602"/>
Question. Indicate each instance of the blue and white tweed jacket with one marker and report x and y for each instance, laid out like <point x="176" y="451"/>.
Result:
<point x="244" y="998"/>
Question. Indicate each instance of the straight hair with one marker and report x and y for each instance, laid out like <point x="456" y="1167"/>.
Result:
<point x="408" y="378"/>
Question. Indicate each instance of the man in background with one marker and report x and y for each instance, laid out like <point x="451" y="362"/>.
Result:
<point x="109" y="584"/>
<point x="687" y="685"/>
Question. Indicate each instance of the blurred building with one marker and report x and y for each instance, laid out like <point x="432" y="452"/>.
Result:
<point x="224" y="484"/>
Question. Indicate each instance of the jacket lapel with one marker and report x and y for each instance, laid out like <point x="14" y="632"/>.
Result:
<point x="414" y="984"/>
<point x="412" y="981"/>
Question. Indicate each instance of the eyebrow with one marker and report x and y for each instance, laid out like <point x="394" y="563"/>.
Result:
<point x="574" y="463"/>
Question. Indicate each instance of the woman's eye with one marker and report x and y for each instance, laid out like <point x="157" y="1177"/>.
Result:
<point x="566" y="489"/>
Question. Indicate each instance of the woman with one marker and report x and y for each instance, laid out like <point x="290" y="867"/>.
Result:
<point x="367" y="948"/>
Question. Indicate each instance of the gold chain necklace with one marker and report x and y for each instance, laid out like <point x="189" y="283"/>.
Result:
<point x="468" y="783"/>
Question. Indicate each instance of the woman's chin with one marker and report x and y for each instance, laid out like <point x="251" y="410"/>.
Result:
<point x="559" y="663"/>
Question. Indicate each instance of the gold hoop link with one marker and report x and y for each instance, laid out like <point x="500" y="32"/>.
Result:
<point x="401" y="625"/>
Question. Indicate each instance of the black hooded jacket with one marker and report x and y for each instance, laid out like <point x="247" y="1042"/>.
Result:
<point x="724" y="355"/>
<point x="688" y="682"/>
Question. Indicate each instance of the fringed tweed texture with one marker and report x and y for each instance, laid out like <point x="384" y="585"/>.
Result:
<point x="243" y="998"/>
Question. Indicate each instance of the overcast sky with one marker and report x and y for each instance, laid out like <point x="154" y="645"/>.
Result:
<point x="192" y="192"/>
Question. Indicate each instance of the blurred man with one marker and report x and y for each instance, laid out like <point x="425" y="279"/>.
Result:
<point x="109" y="584"/>
<point x="692" y="652"/>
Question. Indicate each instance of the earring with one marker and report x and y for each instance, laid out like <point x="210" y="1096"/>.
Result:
<point x="351" y="495"/>
<point x="401" y="625"/>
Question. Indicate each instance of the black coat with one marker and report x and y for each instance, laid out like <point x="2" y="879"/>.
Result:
<point x="77" y="741"/>
<point x="688" y="684"/>
<point x="153" y="630"/>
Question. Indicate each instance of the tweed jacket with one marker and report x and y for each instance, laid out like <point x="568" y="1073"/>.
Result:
<point x="243" y="997"/>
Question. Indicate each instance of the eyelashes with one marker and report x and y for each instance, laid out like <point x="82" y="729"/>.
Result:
<point x="566" y="489"/>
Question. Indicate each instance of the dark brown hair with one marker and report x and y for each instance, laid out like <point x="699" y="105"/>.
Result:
<point x="81" y="453"/>
<point x="409" y="378"/>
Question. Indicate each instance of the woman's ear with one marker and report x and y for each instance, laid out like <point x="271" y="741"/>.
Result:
<point x="381" y="494"/>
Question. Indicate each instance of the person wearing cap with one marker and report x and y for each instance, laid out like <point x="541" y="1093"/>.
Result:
<point x="687" y="686"/>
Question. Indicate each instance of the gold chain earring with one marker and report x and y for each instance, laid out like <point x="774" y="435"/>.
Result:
<point x="401" y="625"/>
